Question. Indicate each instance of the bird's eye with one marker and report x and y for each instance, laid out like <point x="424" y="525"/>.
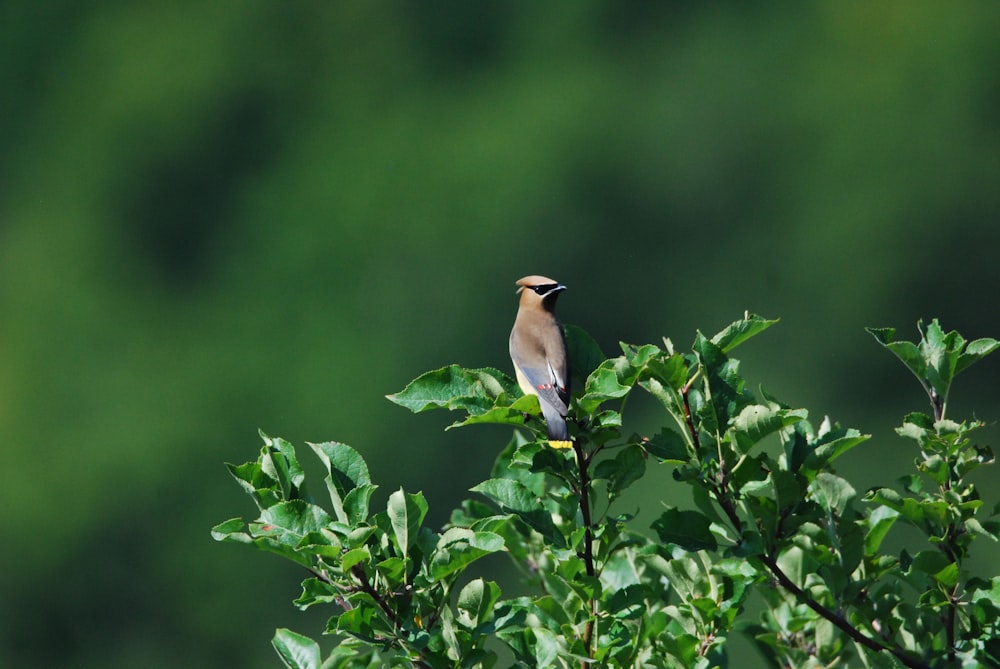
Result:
<point x="544" y="288"/>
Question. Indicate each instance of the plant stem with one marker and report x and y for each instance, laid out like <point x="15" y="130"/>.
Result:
<point x="359" y="573"/>
<point x="583" y="464"/>
<point x="687" y="415"/>
<point x="366" y="587"/>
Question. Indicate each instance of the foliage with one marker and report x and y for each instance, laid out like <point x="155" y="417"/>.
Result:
<point x="770" y="516"/>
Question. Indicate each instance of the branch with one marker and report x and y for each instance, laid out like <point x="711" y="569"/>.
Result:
<point x="583" y="464"/>
<point x="359" y="573"/>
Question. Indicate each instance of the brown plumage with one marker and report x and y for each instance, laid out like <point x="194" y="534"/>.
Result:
<point x="538" y="350"/>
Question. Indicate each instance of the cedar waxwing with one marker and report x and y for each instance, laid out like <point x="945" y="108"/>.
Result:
<point x="538" y="349"/>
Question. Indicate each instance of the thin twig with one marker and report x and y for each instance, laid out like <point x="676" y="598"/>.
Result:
<point x="366" y="587"/>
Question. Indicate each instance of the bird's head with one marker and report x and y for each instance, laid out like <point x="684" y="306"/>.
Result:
<point x="539" y="291"/>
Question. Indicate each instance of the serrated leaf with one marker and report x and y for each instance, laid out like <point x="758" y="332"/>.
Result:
<point x="906" y="351"/>
<point x="231" y="530"/>
<point x="929" y="515"/>
<point x="458" y="547"/>
<point x="603" y="385"/>
<point x="512" y="414"/>
<point x="315" y="591"/>
<point x="738" y="332"/>
<point x="757" y="421"/>
<point x="691" y="530"/>
<point x="289" y="522"/>
<point x="324" y="544"/>
<point x="295" y="650"/>
<point x="454" y="387"/>
<point x="976" y="351"/>
<point x="509" y="494"/>
<point x="831" y="445"/>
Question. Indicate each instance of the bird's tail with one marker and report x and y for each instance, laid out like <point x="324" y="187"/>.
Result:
<point x="555" y="423"/>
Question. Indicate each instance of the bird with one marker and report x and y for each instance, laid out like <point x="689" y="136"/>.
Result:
<point x="538" y="351"/>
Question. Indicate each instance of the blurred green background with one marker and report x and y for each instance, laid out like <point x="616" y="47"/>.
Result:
<point x="224" y="216"/>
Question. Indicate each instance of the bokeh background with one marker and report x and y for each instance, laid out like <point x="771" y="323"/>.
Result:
<point x="219" y="217"/>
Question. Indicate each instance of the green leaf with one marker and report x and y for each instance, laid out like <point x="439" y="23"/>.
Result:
<point x="279" y="462"/>
<point x="757" y="421"/>
<point x="357" y="502"/>
<point x="296" y="651"/>
<point x="346" y="471"/>
<point x="357" y="622"/>
<point x="512" y="414"/>
<point x="685" y="576"/>
<point x="454" y="387"/>
<point x="938" y="357"/>
<point x="603" y="385"/>
<point x="880" y="521"/>
<point x="740" y="331"/>
<point x="929" y="515"/>
<point x="289" y="522"/>
<point x="406" y="513"/>
<point x="324" y="544"/>
<point x="624" y="469"/>
<point x="514" y="496"/>
<point x="584" y="353"/>
<point x="940" y="352"/>
<point x="831" y="492"/>
<point x="392" y="571"/>
<point x="509" y="494"/>
<point x="976" y="351"/>
<point x="548" y="646"/>
<point x="668" y="446"/>
<point x="476" y="602"/>
<point x="231" y="530"/>
<point x="458" y="547"/>
<point x="315" y="591"/>
<point x="937" y="565"/>
<point x="649" y="362"/>
<point x="797" y="564"/>
<point x="831" y="446"/>
<point x="906" y="351"/>
<point x="354" y="557"/>
<point x="262" y="488"/>
<point x="691" y="530"/>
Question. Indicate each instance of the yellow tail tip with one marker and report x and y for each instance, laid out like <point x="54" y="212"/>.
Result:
<point x="560" y="444"/>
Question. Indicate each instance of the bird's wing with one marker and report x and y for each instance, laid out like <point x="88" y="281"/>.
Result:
<point x="543" y="380"/>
